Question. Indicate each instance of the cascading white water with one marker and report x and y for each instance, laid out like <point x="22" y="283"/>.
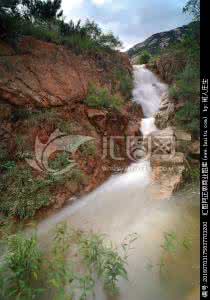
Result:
<point x="126" y="204"/>
<point x="147" y="92"/>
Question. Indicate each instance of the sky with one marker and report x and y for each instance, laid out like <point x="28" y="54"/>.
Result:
<point x="131" y="20"/>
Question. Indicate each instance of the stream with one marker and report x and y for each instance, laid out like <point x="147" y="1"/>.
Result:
<point x="129" y="203"/>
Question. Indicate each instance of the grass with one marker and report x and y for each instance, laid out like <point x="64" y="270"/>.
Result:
<point x="102" y="259"/>
<point x="21" y="268"/>
<point x="101" y="98"/>
<point x="26" y="272"/>
<point x="192" y="173"/>
<point x="22" y="193"/>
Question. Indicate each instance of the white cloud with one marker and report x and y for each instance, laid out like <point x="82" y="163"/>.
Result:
<point x="71" y="5"/>
<point x="99" y="2"/>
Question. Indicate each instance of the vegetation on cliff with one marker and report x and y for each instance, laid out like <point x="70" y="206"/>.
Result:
<point x="44" y="20"/>
<point x="186" y="86"/>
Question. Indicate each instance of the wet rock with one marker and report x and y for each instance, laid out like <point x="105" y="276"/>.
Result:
<point x="183" y="135"/>
<point x="168" y="172"/>
<point x="166" y="113"/>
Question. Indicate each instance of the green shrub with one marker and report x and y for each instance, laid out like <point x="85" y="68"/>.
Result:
<point x="41" y="31"/>
<point x="126" y="83"/>
<point x="103" y="259"/>
<point x="144" y="58"/>
<point x="21" y="268"/>
<point x="101" y="98"/>
<point x="188" y="117"/>
<point x="61" y="161"/>
<point x="187" y="84"/>
<point x="8" y="165"/>
<point x="22" y="194"/>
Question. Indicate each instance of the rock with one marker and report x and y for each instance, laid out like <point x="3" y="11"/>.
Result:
<point x="183" y="135"/>
<point x="166" y="112"/>
<point x="95" y="113"/>
<point x="162" y="142"/>
<point x="168" y="160"/>
<point x="44" y="74"/>
<point x="168" y="172"/>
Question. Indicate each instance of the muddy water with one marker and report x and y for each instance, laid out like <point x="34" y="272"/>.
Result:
<point x="130" y="203"/>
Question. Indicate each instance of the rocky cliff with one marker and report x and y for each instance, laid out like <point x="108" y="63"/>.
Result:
<point x="41" y="74"/>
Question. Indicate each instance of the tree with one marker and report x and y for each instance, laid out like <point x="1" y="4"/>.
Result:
<point x="193" y="7"/>
<point x="44" y="10"/>
<point x="109" y="40"/>
<point x="144" y="58"/>
<point x="9" y="16"/>
<point x="9" y="6"/>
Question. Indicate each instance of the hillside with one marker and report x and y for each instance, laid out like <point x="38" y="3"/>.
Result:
<point x="158" y="41"/>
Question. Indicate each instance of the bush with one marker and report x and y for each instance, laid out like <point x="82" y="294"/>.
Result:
<point x="187" y="84"/>
<point x="187" y="89"/>
<point x="101" y="98"/>
<point x="26" y="272"/>
<point x="21" y="268"/>
<point x="104" y="259"/>
<point x="126" y="83"/>
<point x="188" y="117"/>
<point x="144" y="58"/>
<point x="22" y="194"/>
<point x="41" y="31"/>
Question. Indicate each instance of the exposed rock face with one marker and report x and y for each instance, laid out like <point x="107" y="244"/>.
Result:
<point x="165" y="114"/>
<point x="43" y="74"/>
<point x="168" y="165"/>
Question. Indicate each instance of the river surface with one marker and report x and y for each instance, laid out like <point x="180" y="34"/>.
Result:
<point x="129" y="203"/>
